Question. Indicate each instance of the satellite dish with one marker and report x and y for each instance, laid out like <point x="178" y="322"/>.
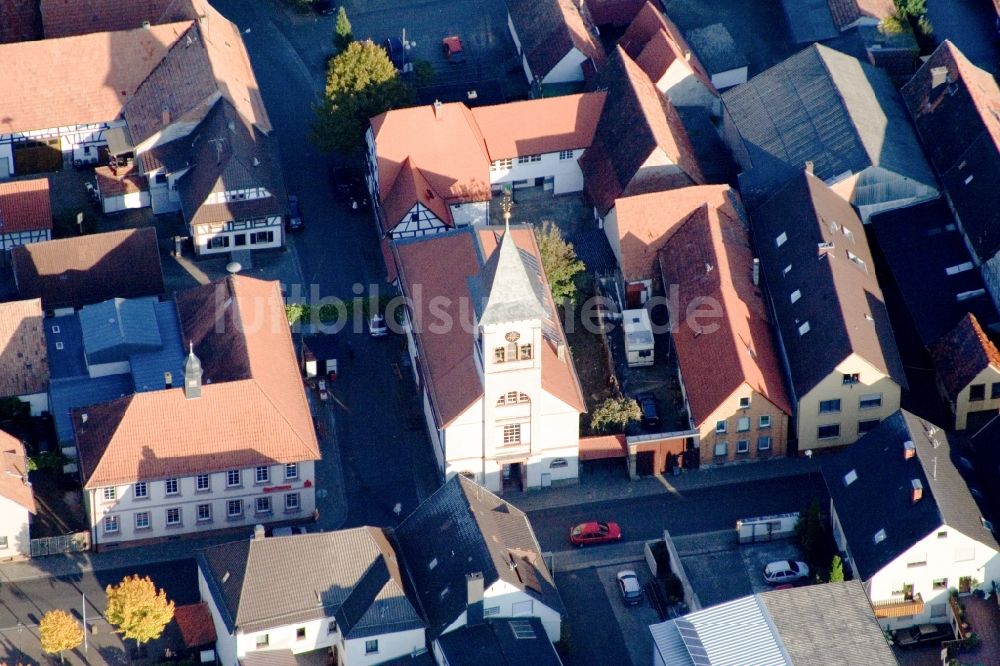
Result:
<point x="233" y="267"/>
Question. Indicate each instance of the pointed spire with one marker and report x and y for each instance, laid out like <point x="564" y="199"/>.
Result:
<point x="511" y="287"/>
<point x="192" y="374"/>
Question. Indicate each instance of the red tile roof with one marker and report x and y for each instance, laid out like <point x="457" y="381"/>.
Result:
<point x="252" y="410"/>
<point x="708" y="256"/>
<point x="19" y="21"/>
<point x="646" y="221"/>
<point x="549" y="29"/>
<point x="123" y="180"/>
<point x="846" y="12"/>
<point x="73" y="272"/>
<point x="14" y="472"/>
<point x="447" y="362"/>
<point x="536" y="126"/>
<point x="78" y="80"/>
<point x="602" y="447"/>
<point x="638" y="122"/>
<point x="613" y="12"/>
<point x="654" y="42"/>
<point x="25" y="206"/>
<point x="24" y="360"/>
<point x="64" y="18"/>
<point x="962" y="354"/>
<point x="194" y="621"/>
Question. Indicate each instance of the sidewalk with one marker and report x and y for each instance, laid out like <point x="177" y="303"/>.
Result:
<point x="601" y="487"/>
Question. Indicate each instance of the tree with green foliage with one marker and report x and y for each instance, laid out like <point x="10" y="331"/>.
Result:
<point x="343" y="34"/>
<point x="615" y="414"/>
<point x="836" y="570"/>
<point x="138" y="610"/>
<point x="59" y="631"/>
<point x="361" y="83"/>
<point x="559" y="261"/>
<point x="811" y="533"/>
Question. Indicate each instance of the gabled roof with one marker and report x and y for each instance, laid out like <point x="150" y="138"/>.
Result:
<point x="549" y="29"/>
<point x="716" y="48"/>
<point x="655" y="43"/>
<point x="194" y="622"/>
<point x="206" y="62"/>
<point x="809" y="20"/>
<point x="14" y="483"/>
<point x="545" y="125"/>
<point x="831" y="109"/>
<point x="959" y="124"/>
<point x="229" y="153"/>
<point x="465" y="529"/>
<point x="351" y="575"/>
<point x="613" y="12"/>
<point x="637" y="122"/>
<point x="19" y="21"/>
<point x="803" y="625"/>
<point x="846" y="12"/>
<point x="831" y="288"/>
<point x="25" y="206"/>
<point x="501" y="642"/>
<point x="63" y="18"/>
<point x="962" y="354"/>
<point x="447" y="358"/>
<point x="252" y="409"/>
<point x="511" y="295"/>
<point x="81" y="79"/>
<point x="871" y="485"/>
<point x="24" y="362"/>
<point x="708" y="255"/>
<point x="73" y="272"/>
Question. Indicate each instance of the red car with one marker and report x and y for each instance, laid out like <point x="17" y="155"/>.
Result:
<point x="594" y="532"/>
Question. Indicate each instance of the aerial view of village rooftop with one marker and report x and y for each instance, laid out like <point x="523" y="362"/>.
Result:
<point x="500" y="332"/>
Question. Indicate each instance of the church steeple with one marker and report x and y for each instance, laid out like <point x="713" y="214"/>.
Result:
<point x="192" y="375"/>
<point x="512" y="289"/>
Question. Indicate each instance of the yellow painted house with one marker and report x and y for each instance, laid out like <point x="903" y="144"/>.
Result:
<point x="968" y="367"/>
<point x="834" y="333"/>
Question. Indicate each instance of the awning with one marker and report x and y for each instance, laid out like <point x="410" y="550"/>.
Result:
<point x="602" y="447"/>
<point x="898" y="607"/>
<point x="119" y="141"/>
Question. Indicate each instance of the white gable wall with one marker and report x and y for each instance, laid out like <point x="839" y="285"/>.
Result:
<point x="683" y="88"/>
<point x="568" y="69"/>
<point x="14" y="528"/>
<point x="501" y="599"/>
<point x="560" y="170"/>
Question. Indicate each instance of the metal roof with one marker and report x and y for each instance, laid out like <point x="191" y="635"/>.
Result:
<point x="66" y="395"/>
<point x="117" y="327"/>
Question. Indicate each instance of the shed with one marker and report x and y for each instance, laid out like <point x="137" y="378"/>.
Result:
<point x="121" y="188"/>
<point x="638" y="337"/>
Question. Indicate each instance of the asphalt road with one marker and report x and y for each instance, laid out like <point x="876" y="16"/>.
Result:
<point x="697" y="511"/>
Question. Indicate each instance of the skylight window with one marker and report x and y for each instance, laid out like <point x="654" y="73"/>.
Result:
<point x="850" y="477"/>
<point x="857" y="261"/>
<point x="786" y="270"/>
<point x="804" y="328"/>
<point x="796" y="295"/>
<point x="781" y="239"/>
<point x="879" y="536"/>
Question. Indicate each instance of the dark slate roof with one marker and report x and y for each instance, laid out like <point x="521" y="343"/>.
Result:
<point x="77" y="271"/>
<point x="228" y="153"/>
<point x="715" y="160"/>
<point x="840" y="295"/>
<point x="959" y="124"/>
<point x="716" y="50"/>
<point x="880" y="498"/>
<point x="500" y="642"/>
<point x="924" y="250"/>
<point x="353" y="572"/>
<point x="549" y="29"/>
<point x="809" y="20"/>
<point x="828" y="108"/>
<point x="65" y="395"/>
<point x="148" y="367"/>
<point x="962" y="354"/>
<point x="118" y="327"/>
<point x="817" y="621"/>
<point x="464" y="529"/>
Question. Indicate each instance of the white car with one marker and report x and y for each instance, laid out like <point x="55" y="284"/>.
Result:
<point x="377" y="327"/>
<point x="628" y="585"/>
<point x="785" y="571"/>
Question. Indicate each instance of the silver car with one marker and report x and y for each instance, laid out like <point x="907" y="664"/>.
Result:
<point x="785" y="571"/>
<point x="628" y="585"/>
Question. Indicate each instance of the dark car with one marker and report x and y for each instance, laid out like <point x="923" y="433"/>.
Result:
<point x="397" y="53"/>
<point x="294" y="213"/>
<point x="324" y="7"/>
<point x="595" y="532"/>
<point x="921" y="634"/>
<point x="650" y="415"/>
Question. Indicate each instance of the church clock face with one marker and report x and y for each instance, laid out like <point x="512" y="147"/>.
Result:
<point x="513" y="336"/>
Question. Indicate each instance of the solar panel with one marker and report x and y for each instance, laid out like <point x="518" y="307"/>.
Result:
<point x="522" y="629"/>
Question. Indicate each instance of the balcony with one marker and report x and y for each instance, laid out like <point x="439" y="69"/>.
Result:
<point x="898" y="606"/>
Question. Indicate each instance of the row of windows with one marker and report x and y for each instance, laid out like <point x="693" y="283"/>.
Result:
<point x="832" y="430"/>
<point x="239" y="240"/>
<point x="203" y="513"/>
<point x="721" y="449"/>
<point x="512" y="352"/>
<point x="264" y="640"/>
<point x="869" y="401"/>
<point x="977" y="392"/>
<point x="513" y="398"/>
<point x="203" y="482"/>
<point x="524" y="159"/>
<point x="507" y="163"/>
<point x="743" y="423"/>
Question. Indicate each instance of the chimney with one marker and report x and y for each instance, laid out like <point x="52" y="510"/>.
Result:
<point x="809" y="167"/>
<point x="145" y="25"/>
<point x="473" y="599"/>
<point x="756" y="272"/>
<point x="909" y="450"/>
<point x="438" y="112"/>
<point x="258" y="531"/>
<point x="192" y="375"/>
<point x="918" y="490"/>
<point x="168" y="379"/>
<point x="165" y="115"/>
<point x="939" y="76"/>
